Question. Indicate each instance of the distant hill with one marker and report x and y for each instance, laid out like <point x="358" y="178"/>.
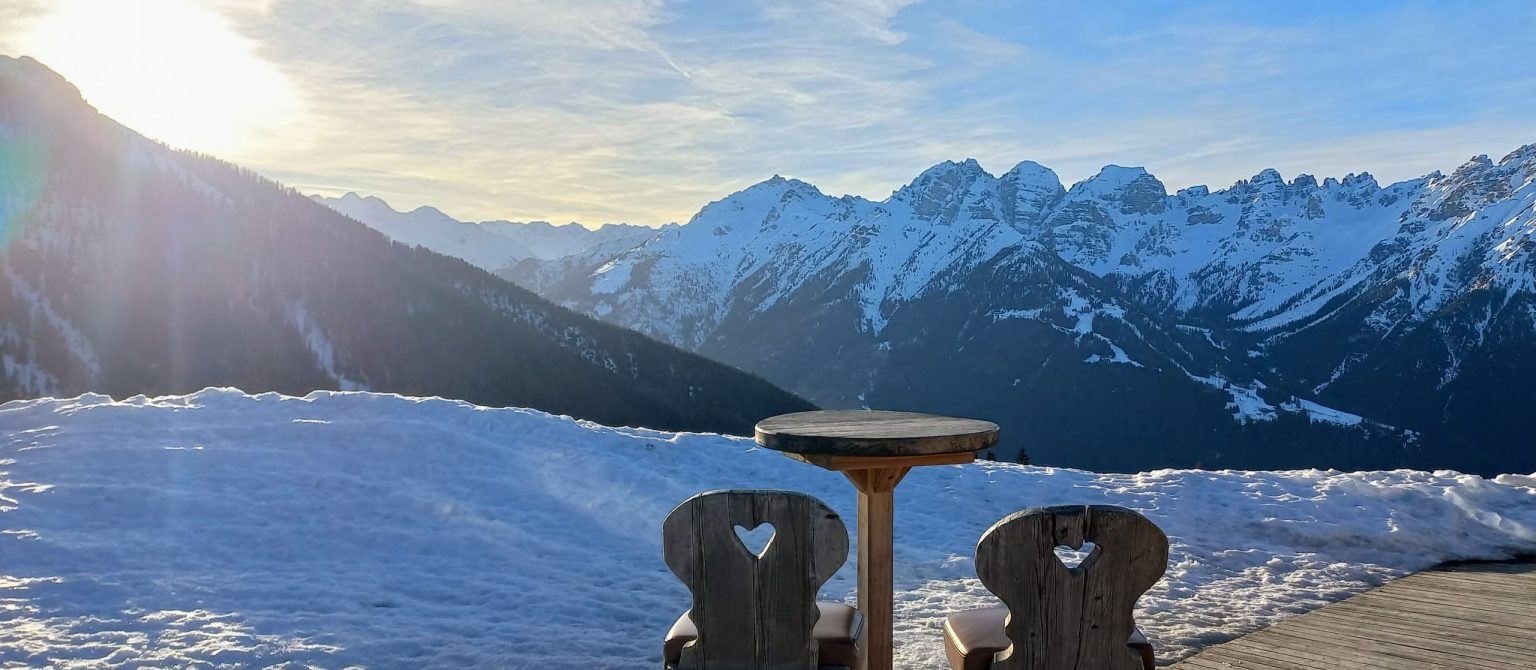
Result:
<point x="128" y="268"/>
<point x="495" y="246"/>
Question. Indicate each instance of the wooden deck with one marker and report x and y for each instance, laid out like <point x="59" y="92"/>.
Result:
<point x="1454" y="617"/>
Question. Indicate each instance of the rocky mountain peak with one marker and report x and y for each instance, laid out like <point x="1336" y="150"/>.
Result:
<point x="945" y="191"/>
<point x="1474" y="165"/>
<point x="1364" y="180"/>
<point x="1028" y="192"/>
<point x="1474" y="185"/>
<point x="752" y="207"/>
<point x="1030" y="172"/>
<point x="1525" y="153"/>
<point x="776" y="188"/>
<point x="1133" y="189"/>
<point x="947" y="175"/>
<point x="1267" y="177"/>
<point x="1117" y="174"/>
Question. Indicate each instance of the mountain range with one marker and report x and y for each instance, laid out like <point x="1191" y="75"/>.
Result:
<point x="491" y="245"/>
<point x="130" y="268"/>
<point x="1112" y="324"/>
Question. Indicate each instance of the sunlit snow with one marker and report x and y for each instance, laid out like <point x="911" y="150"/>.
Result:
<point x="382" y="531"/>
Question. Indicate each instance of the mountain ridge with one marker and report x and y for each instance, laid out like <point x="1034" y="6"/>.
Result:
<point x="1243" y="278"/>
<point x="130" y="268"/>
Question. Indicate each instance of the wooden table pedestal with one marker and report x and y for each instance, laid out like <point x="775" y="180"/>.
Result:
<point x="875" y="450"/>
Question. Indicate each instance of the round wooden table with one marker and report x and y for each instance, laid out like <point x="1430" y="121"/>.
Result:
<point x="874" y="450"/>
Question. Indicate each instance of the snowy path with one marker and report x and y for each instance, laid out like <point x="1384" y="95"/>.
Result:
<point x="226" y="530"/>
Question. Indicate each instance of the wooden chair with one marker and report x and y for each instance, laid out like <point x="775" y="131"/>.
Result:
<point x="1060" y="618"/>
<point x="758" y="611"/>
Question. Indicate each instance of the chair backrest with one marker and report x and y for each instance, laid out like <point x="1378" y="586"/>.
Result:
<point x="1075" y="618"/>
<point x="753" y="612"/>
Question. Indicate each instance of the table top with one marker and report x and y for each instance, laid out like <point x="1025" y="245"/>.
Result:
<point x="874" y="433"/>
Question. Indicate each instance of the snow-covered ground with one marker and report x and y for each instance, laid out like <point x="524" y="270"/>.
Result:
<point x="227" y="530"/>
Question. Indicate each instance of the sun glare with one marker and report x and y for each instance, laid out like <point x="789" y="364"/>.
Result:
<point x="170" y="69"/>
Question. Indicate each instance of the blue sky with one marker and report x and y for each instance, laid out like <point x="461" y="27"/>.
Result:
<point x="642" y="110"/>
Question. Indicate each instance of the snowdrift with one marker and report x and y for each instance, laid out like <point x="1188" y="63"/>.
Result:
<point x="220" y="529"/>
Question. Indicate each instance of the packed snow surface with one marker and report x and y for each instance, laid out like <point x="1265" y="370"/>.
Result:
<point x="354" y="529"/>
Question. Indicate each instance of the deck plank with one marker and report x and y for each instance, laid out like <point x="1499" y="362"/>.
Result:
<point x="1464" y="616"/>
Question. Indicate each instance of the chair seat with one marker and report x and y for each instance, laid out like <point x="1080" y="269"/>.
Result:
<point x="972" y="637"/>
<point x="838" y="633"/>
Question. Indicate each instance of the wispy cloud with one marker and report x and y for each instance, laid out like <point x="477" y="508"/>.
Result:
<point x="871" y="19"/>
<point x="643" y="110"/>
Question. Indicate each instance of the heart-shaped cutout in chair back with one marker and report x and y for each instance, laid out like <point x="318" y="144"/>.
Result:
<point x="755" y="540"/>
<point x="1074" y="557"/>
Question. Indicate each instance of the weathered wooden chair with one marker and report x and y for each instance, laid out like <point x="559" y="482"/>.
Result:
<point x="758" y="611"/>
<point x="1056" y="617"/>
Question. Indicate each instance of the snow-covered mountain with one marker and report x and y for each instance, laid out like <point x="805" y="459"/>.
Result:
<point x="493" y="246"/>
<point x="219" y="529"/>
<point x="127" y="267"/>
<point x="1270" y="300"/>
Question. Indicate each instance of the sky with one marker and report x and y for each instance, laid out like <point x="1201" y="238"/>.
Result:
<point x="645" y="110"/>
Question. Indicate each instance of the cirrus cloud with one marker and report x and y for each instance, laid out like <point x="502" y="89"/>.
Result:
<point x="643" y="110"/>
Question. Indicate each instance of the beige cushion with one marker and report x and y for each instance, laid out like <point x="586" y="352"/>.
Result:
<point x="837" y="633"/>
<point x="972" y="637"/>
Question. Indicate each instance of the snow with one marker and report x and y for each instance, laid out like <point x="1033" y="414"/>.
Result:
<point x="1110" y="181"/>
<point x="1439" y="258"/>
<point x="1265" y="256"/>
<point x="1203" y="331"/>
<point x="320" y="347"/>
<point x="79" y="345"/>
<point x="352" y="529"/>
<point x="1006" y="314"/>
<point x="546" y="241"/>
<point x="1245" y="403"/>
<point x="1077" y="306"/>
<point x="1263" y="251"/>
<point x="781" y="234"/>
<point x="430" y="228"/>
<point x="1528" y="481"/>
<point x="1320" y="414"/>
<point x="28" y="377"/>
<point x="610" y="278"/>
<point x="1338" y="370"/>
<point x="1078" y="310"/>
<point x="1117" y="355"/>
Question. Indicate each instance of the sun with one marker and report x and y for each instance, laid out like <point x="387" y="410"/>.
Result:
<point x="170" y="69"/>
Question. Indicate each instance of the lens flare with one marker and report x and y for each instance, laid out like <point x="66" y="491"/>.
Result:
<point x="22" y="165"/>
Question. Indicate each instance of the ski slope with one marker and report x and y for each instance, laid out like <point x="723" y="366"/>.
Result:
<point x="221" y="529"/>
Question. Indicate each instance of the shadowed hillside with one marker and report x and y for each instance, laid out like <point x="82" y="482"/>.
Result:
<point x="131" y="268"/>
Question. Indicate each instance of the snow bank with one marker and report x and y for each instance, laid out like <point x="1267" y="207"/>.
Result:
<point x="226" y="530"/>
